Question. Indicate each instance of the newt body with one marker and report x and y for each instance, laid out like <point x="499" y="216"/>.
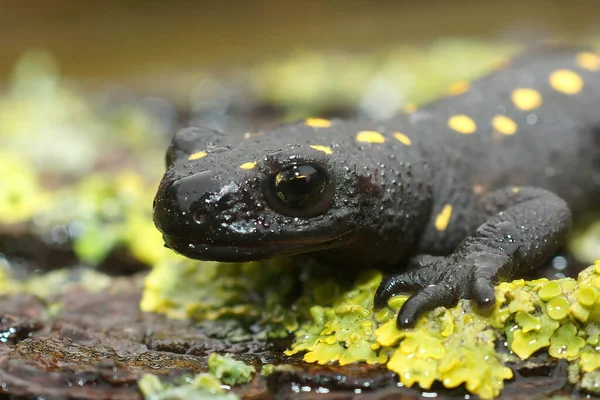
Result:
<point x="475" y="187"/>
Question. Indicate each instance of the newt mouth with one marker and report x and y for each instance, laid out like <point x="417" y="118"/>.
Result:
<point x="250" y="252"/>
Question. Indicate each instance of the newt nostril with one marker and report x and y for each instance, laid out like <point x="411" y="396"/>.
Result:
<point x="199" y="217"/>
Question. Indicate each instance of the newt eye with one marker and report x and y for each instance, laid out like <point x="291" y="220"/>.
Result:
<point x="300" y="191"/>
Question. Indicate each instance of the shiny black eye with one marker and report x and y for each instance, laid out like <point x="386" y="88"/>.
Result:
<point x="301" y="191"/>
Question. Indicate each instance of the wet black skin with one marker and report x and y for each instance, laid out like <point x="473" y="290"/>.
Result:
<point x="513" y="197"/>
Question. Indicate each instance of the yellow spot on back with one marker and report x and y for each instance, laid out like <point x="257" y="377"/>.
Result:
<point x="565" y="81"/>
<point x="526" y="99"/>
<point x="443" y="218"/>
<point x="589" y="61"/>
<point x="458" y="88"/>
<point x="318" y="122"/>
<point x="504" y="125"/>
<point x="462" y="124"/>
<point x="248" y="165"/>
<point x="370" y="137"/>
<point x="409" y="108"/>
<point x="324" y="149"/>
<point x="402" y="138"/>
<point x="516" y="190"/>
<point x="197" y="155"/>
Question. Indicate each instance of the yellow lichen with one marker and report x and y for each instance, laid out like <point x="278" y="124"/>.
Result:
<point x="549" y="290"/>
<point x="590" y="361"/>
<point x="557" y="308"/>
<point x="456" y="346"/>
<point x="565" y="343"/>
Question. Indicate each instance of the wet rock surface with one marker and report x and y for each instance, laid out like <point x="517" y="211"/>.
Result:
<point x="97" y="345"/>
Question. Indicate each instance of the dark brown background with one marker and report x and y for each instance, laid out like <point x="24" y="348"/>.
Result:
<point x="120" y="40"/>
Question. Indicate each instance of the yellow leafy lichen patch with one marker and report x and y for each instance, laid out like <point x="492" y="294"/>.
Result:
<point x="565" y="81"/>
<point x="443" y="218"/>
<point x="337" y="323"/>
<point x="197" y="155"/>
<point x="557" y="308"/>
<point x="549" y="291"/>
<point x="349" y="323"/>
<point x="318" y="122"/>
<point x="565" y="343"/>
<point x="370" y="137"/>
<point x="589" y="361"/>
<point x="324" y="149"/>
<point x="456" y="346"/>
<point x="447" y="348"/>
<point x="526" y="99"/>
<point x="588" y="60"/>
<point x="248" y="165"/>
<point x="462" y="124"/>
<point x="402" y="138"/>
<point x="504" y="125"/>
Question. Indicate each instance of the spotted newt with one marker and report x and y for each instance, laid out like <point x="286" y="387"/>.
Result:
<point x="476" y="187"/>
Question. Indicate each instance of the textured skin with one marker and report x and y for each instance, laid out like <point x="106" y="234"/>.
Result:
<point x="479" y="186"/>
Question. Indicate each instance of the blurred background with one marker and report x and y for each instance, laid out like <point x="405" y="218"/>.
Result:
<point x="91" y="92"/>
<point x="129" y="41"/>
<point x="90" y="95"/>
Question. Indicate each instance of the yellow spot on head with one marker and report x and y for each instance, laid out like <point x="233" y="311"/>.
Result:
<point x="458" y="88"/>
<point x="516" y="190"/>
<point x="248" y="165"/>
<point x="462" y="124"/>
<point x="410" y="108"/>
<point x="318" y="122"/>
<point x="402" y="138"/>
<point x="526" y="99"/>
<point x="565" y="81"/>
<point x="443" y="218"/>
<point x="589" y="61"/>
<point x="504" y="125"/>
<point x="197" y="155"/>
<point x="324" y="149"/>
<point x="370" y="137"/>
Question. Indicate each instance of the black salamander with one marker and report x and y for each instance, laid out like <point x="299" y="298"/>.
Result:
<point x="476" y="187"/>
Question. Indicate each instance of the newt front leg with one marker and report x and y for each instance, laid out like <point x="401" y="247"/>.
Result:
<point x="525" y="227"/>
